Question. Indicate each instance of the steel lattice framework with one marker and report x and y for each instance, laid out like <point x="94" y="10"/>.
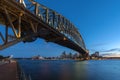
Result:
<point x="29" y="20"/>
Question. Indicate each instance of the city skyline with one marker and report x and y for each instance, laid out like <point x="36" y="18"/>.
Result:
<point x="97" y="22"/>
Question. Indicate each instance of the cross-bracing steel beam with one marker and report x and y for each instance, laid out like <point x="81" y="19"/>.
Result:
<point x="8" y="39"/>
<point x="37" y="15"/>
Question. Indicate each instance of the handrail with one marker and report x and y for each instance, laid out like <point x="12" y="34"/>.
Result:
<point x="21" y="74"/>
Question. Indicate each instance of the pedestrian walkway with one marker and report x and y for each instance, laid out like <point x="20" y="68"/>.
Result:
<point x="8" y="71"/>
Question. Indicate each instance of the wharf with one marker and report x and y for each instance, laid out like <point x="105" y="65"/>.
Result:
<point x="8" y="71"/>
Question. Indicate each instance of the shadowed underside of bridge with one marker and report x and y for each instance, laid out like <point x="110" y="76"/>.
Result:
<point x="27" y="20"/>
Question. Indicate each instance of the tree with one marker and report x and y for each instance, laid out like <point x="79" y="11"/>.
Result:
<point x="1" y="57"/>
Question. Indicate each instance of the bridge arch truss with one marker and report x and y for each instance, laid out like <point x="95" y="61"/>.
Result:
<point x="30" y="20"/>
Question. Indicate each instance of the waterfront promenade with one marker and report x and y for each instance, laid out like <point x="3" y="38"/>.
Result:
<point x="8" y="71"/>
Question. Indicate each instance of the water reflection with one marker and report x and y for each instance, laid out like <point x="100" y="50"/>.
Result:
<point x="80" y="70"/>
<point x="72" y="70"/>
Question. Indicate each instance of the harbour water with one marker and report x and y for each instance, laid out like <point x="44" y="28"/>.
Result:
<point x="71" y="69"/>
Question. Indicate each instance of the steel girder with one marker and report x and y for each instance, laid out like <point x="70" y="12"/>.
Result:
<point x="19" y="14"/>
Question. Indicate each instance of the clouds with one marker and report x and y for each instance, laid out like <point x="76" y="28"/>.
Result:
<point x="115" y="52"/>
<point x="112" y="50"/>
<point x="107" y="50"/>
<point x="97" y="47"/>
<point x="111" y="55"/>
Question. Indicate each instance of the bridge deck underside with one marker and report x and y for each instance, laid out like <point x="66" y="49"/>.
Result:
<point x="31" y="26"/>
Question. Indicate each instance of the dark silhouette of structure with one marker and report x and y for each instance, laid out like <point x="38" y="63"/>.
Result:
<point x="29" y="20"/>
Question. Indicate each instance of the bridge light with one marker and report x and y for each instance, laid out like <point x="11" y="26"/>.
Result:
<point x="64" y="39"/>
<point x="21" y="13"/>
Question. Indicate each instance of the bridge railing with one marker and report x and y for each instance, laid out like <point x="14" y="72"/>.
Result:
<point x="55" y="20"/>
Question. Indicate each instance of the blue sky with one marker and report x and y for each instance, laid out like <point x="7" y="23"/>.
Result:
<point x="97" y="20"/>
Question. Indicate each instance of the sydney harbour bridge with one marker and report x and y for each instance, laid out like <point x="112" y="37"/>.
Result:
<point x="27" y="20"/>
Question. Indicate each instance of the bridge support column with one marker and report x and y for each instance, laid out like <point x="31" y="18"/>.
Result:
<point x="47" y="15"/>
<point x="86" y="56"/>
<point x="12" y="36"/>
<point x="22" y="2"/>
<point x="37" y="9"/>
<point x="6" y="34"/>
<point x="19" y="25"/>
<point x="10" y="22"/>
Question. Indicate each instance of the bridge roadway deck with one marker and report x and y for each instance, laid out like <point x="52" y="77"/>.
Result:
<point x="8" y="71"/>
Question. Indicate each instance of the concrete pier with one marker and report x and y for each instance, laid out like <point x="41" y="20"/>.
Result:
<point x="8" y="71"/>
